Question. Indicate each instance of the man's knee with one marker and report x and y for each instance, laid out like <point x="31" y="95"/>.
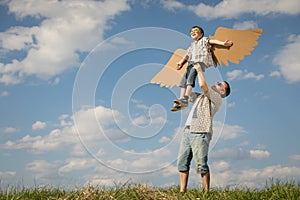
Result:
<point x="202" y="168"/>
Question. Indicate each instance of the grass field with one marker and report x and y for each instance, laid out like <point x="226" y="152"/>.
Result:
<point x="275" y="190"/>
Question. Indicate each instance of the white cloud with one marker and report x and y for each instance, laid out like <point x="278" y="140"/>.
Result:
<point x="253" y="76"/>
<point x="38" y="125"/>
<point x="170" y="171"/>
<point x="288" y="59"/>
<point x="240" y="154"/>
<point x="151" y="160"/>
<point x="6" y="174"/>
<point x="86" y="126"/>
<point x="43" y="170"/>
<point x="228" y="131"/>
<point x="143" y="163"/>
<point x="113" y="178"/>
<point x="261" y="146"/>
<point x="11" y="73"/>
<point x="95" y="124"/>
<point x="234" y="154"/>
<point x="77" y="164"/>
<point x="108" y="182"/>
<point x="114" y="44"/>
<point x="232" y="75"/>
<point x="4" y="94"/>
<point x="40" y="165"/>
<point x="245" y="25"/>
<point x="259" y="154"/>
<point x="275" y="74"/>
<point x="252" y="177"/>
<point x="65" y="121"/>
<point x="235" y="8"/>
<point x="245" y="143"/>
<point x="220" y="166"/>
<point x="36" y="144"/>
<point x="66" y="28"/>
<point x="10" y="130"/>
<point x="55" y="81"/>
<point x="143" y="120"/>
<point x="7" y="177"/>
<point x="78" y="150"/>
<point x="231" y="104"/>
<point x="295" y="157"/>
<point x="18" y="38"/>
<point x="172" y="5"/>
<point x="115" y="135"/>
<point x="241" y="75"/>
<point x="164" y="139"/>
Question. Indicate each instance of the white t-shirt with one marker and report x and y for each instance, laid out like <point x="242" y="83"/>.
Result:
<point x="189" y="119"/>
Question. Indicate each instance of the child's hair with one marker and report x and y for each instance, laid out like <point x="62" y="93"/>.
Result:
<point x="202" y="31"/>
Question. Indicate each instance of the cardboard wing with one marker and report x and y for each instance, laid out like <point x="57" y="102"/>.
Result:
<point x="169" y="75"/>
<point x="244" y="42"/>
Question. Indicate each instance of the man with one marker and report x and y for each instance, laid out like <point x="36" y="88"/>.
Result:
<point x="198" y="130"/>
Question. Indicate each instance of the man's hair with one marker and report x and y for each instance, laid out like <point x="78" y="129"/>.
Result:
<point x="201" y="29"/>
<point x="227" y="89"/>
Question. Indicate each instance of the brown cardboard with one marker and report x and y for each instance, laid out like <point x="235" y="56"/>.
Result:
<point x="169" y="75"/>
<point x="244" y="42"/>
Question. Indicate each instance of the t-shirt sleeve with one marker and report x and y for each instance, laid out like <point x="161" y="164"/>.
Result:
<point x="194" y="96"/>
<point x="214" y="96"/>
<point x="207" y="44"/>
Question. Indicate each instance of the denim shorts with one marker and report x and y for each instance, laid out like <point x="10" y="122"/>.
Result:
<point x="190" y="75"/>
<point x="194" y="145"/>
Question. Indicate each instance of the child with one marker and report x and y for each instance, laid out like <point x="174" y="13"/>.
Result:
<point x="199" y="53"/>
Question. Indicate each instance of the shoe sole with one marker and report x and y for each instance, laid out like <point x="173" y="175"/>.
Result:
<point x="177" y="101"/>
<point x="173" y="109"/>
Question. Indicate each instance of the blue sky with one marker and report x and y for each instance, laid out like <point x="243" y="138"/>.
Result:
<point x="77" y="105"/>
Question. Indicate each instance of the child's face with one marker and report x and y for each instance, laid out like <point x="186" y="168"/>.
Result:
<point x="196" y="34"/>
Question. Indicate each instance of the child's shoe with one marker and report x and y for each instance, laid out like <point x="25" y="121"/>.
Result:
<point x="177" y="107"/>
<point x="183" y="102"/>
<point x="180" y="104"/>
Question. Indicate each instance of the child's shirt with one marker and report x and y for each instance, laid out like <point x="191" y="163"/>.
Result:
<point x="200" y="51"/>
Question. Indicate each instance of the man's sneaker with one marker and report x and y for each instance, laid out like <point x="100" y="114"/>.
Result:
<point x="183" y="102"/>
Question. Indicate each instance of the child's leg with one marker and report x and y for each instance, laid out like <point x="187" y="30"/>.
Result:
<point x="182" y="92"/>
<point x="190" y="82"/>
<point x="186" y="81"/>
<point x="188" y="91"/>
<point x="182" y="101"/>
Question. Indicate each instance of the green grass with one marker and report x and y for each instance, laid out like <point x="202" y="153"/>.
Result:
<point x="275" y="190"/>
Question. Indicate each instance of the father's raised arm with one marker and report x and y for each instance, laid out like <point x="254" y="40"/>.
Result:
<point x="201" y="79"/>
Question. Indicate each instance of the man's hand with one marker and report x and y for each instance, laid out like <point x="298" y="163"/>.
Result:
<point x="197" y="67"/>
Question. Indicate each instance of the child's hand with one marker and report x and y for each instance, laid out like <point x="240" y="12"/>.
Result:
<point x="179" y="65"/>
<point x="228" y="43"/>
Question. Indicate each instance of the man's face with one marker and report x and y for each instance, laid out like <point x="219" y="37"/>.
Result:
<point x="196" y="34"/>
<point x="220" y="87"/>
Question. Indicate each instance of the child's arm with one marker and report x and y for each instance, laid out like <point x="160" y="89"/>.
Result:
<point x="182" y="62"/>
<point x="226" y="43"/>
